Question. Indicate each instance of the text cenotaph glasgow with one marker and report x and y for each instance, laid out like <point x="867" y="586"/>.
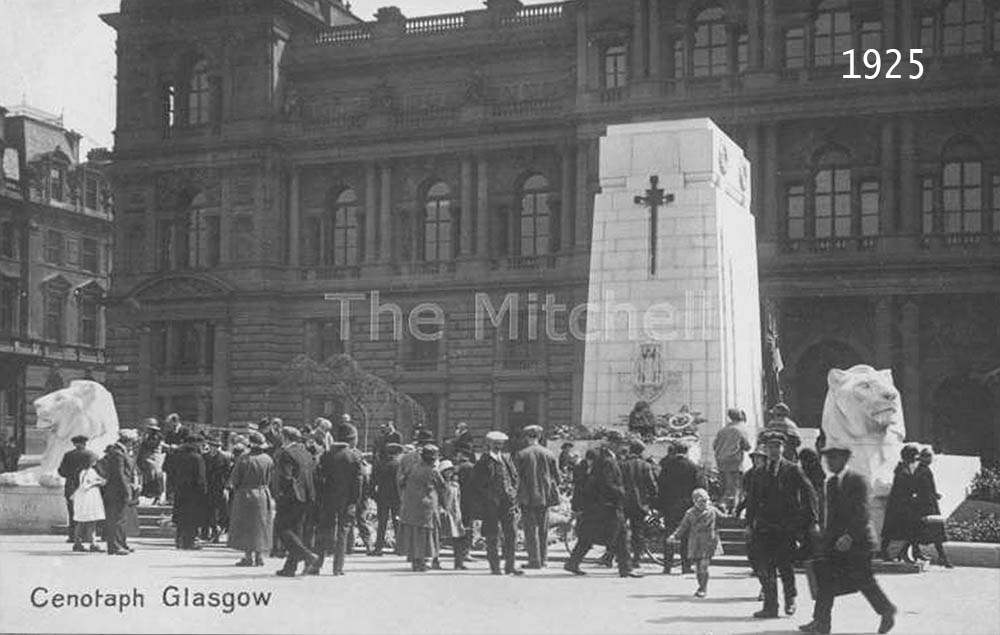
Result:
<point x="673" y="304"/>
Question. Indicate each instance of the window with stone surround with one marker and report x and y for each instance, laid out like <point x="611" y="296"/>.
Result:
<point x="870" y="35"/>
<point x="343" y="232"/>
<point x="871" y="203"/>
<point x="831" y="30"/>
<point x="90" y="191"/>
<point x="615" y="66"/>
<point x="536" y="216"/>
<point x="421" y="353"/>
<point x="89" y="258"/>
<point x="54" y="300"/>
<point x="927" y="204"/>
<point x="963" y="24"/>
<point x="795" y="210"/>
<point x="57" y="183"/>
<point x="831" y="196"/>
<point x="928" y="27"/>
<point x="198" y="94"/>
<point x="962" y="196"/>
<point x="709" y="50"/>
<point x="89" y="308"/>
<point x="795" y="48"/>
<point x="183" y="347"/>
<point x="437" y="240"/>
<point x="520" y="341"/>
<point x="9" y="293"/>
<point x="55" y="247"/>
<point x="134" y="247"/>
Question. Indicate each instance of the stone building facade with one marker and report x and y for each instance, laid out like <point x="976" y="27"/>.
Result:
<point x="55" y="250"/>
<point x="270" y="153"/>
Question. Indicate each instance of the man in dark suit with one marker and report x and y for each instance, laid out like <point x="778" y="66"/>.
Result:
<point x="387" y="494"/>
<point x="73" y="462"/>
<point x="844" y="559"/>
<point x="495" y="486"/>
<point x="677" y="479"/>
<point x="294" y="493"/>
<point x="118" y="469"/>
<point x="781" y="506"/>
<point x="340" y="483"/>
<point x="640" y="492"/>
<point x="538" y="489"/>
<point x="187" y="471"/>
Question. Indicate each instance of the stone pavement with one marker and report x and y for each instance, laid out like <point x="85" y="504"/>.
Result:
<point x="380" y="595"/>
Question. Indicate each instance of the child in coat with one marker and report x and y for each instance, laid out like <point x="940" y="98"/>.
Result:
<point x="699" y="527"/>
<point x="88" y="507"/>
<point x="451" y="513"/>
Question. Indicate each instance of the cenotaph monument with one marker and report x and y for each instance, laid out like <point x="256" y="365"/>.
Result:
<point x="673" y="309"/>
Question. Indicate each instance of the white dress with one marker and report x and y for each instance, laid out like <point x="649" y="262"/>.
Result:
<point x="87" y="503"/>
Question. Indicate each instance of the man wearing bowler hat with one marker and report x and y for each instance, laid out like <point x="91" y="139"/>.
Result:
<point x="843" y="563"/>
<point x="781" y="505"/>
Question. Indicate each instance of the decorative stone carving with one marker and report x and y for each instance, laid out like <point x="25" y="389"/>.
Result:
<point x="180" y="287"/>
<point x="382" y="97"/>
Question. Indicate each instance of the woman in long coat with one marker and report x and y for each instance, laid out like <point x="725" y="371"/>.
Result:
<point x="902" y="517"/>
<point x="251" y="516"/>
<point x="927" y="505"/>
<point x="422" y="491"/>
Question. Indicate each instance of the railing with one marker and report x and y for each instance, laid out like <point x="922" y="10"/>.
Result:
<point x="534" y="14"/>
<point x="524" y="108"/>
<point x="431" y="24"/>
<point x="344" y="272"/>
<point x="546" y="261"/>
<point x="13" y="344"/>
<point x="423" y="117"/>
<point x="959" y="239"/>
<point x="612" y="95"/>
<point x="349" y="34"/>
<point x="831" y="244"/>
<point x="519" y="362"/>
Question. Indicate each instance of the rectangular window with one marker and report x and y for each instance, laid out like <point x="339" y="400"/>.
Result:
<point x="615" y="68"/>
<point x="159" y="335"/>
<point x="311" y="249"/>
<point x="963" y="26"/>
<point x="795" y="48"/>
<point x="89" y="309"/>
<point x="8" y="306"/>
<point x="832" y="36"/>
<point x="870" y="204"/>
<point x="213" y="240"/>
<point x="326" y="341"/>
<point x="962" y="196"/>
<point x="90" y="191"/>
<point x="89" y="259"/>
<point x="55" y="246"/>
<point x="165" y="244"/>
<point x="927" y="35"/>
<point x="795" y="207"/>
<point x="55" y="306"/>
<point x="871" y="35"/>
<point x="56" y="184"/>
<point x="187" y="346"/>
<point x="742" y="52"/>
<point x="72" y="251"/>
<point x="8" y="240"/>
<point x="927" y="204"/>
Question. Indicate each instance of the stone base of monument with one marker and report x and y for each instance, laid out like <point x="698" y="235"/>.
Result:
<point x="31" y="509"/>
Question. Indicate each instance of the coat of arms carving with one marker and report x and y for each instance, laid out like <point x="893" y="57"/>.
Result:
<point x="648" y="374"/>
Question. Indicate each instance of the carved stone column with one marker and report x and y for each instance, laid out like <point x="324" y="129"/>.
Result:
<point x="911" y="372"/>
<point x="888" y="185"/>
<point x="770" y="216"/>
<point x="583" y="195"/>
<point x="465" y="222"/>
<point x="482" y="207"/>
<point x="910" y="219"/>
<point x="385" y="214"/>
<point x="145" y="369"/>
<point x="755" y="45"/>
<point x="294" y="220"/>
<point x="371" y="211"/>
<point x="581" y="48"/>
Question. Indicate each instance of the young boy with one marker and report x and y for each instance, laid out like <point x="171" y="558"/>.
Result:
<point x="699" y="527"/>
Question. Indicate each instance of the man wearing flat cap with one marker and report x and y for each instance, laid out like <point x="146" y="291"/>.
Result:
<point x="844" y="562"/>
<point x="74" y="462"/>
<point x="495" y="488"/>
<point x="538" y="490"/>
<point x="781" y="507"/>
<point x="294" y="491"/>
<point x="640" y="492"/>
<point x="780" y="421"/>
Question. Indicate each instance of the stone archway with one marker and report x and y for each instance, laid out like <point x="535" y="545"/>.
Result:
<point x="963" y="418"/>
<point x="810" y="383"/>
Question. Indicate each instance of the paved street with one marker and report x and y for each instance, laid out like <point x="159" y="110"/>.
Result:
<point x="379" y="595"/>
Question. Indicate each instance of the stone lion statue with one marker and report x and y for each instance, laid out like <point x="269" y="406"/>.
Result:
<point x="863" y="411"/>
<point x="84" y="407"/>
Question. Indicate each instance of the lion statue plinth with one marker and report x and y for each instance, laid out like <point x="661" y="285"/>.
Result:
<point x="863" y="412"/>
<point x="84" y="407"/>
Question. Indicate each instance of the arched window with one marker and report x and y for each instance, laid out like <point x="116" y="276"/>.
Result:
<point x="832" y="195"/>
<point x="962" y="189"/>
<point x="962" y="27"/>
<point x="536" y="215"/>
<point x="344" y="242"/>
<point x="437" y="223"/>
<point x="831" y="36"/>
<point x="198" y="94"/>
<point x="709" y="51"/>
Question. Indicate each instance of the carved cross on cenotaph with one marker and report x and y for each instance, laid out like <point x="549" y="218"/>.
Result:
<point x="654" y="199"/>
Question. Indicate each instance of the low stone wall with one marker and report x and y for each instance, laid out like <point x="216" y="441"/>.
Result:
<point x="973" y="554"/>
<point x="31" y="509"/>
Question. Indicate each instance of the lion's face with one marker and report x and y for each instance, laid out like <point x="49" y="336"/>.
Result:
<point x="57" y="408"/>
<point x="867" y="397"/>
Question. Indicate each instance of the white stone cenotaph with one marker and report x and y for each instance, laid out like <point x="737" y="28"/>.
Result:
<point x="673" y="310"/>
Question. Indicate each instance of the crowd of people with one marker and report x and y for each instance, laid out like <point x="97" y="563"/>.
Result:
<point x="302" y="493"/>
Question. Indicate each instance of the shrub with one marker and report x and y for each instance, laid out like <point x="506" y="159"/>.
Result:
<point x="985" y="527"/>
<point x="986" y="485"/>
